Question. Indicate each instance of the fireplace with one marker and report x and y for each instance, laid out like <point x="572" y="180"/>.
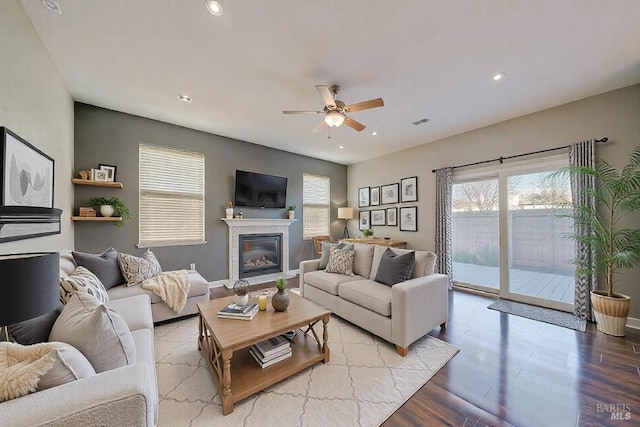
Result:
<point x="259" y="254"/>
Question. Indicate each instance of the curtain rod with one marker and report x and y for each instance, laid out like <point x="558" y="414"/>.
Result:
<point x="502" y="159"/>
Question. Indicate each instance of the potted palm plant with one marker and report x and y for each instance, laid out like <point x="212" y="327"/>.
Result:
<point x="111" y="206"/>
<point x="617" y="195"/>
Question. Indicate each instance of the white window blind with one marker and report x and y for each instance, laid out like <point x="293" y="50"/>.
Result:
<point x="316" y="204"/>
<point x="171" y="186"/>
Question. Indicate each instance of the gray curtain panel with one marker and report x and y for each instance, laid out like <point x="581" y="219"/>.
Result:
<point x="443" y="223"/>
<point x="583" y="154"/>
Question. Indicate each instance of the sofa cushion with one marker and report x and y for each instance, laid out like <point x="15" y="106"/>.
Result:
<point x="104" y="266"/>
<point x="136" y="312"/>
<point x="99" y="333"/>
<point x="326" y="251"/>
<point x="341" y="261"/>
<point x="82" y="281"/>
<point x="328" y="282"/>
<point x="394" y="268"/>
<point x="424" y="264"/>
<point x="368" y="294"/>
<point x="362" y="259"/>
<point x="136" y="269"/>
<point x="35" y="330"/>
<point x="25" y="369"/>
<point x="124" y="291"/>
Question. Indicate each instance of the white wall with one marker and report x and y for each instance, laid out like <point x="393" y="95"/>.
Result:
<point x="35" y="104"/>
<point x="614" y="114"/>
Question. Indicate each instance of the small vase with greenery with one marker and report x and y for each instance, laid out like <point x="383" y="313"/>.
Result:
<point x="291" y="211"/>
<point x="241" y="289"/>
<point x="120" y="209"/>
<point x="280" y="300"/>
<point x="617" y="195"/>
<point x="367" y="233"/>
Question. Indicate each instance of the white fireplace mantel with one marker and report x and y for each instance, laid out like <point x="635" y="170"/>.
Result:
<point x="239" y="227"/>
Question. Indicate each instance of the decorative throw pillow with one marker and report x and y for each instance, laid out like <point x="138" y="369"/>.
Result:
<point x="98" y="332"/>
<point x="104" y="266"/>
<point x="395" y="268"/>
<point x="326" y="251"/>
<point x="35" y="330"/>
<point x="341" y="261"/>
<point x="25" y="369"/>
<point x="82" y="281"/>
<point x="137" y="269"/>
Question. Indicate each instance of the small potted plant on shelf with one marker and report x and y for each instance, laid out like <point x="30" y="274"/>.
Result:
<point x="109" y="207"/>
<point x="291" y="211"/>
<point x="229" y="210"/>
<point x="280" y="300"/>
<point x="367" y="233"/>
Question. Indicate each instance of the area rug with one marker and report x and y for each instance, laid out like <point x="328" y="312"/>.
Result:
<point x="363" y="384"/>
<point x="558" y="318"/>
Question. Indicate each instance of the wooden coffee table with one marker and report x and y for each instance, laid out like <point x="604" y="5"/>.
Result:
<point x="222" y="340"/>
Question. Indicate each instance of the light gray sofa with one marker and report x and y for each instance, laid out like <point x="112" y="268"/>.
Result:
<point x="124" y="396"/>
<point x="199" y="291"/>
<point x="400" y="314"/>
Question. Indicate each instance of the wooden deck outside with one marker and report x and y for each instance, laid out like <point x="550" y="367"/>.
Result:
<point x="555" y="287"/>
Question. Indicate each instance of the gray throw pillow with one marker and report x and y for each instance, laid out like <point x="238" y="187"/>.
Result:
<point x="395" y="268"/>
<point x="326" y="251"/>
<point x="35" y="330"/>
<point x="104" y="266"/>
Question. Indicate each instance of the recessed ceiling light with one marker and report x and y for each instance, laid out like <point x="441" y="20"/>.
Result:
<point x="341" y="147"/>
<point x="214" y="7"/>
<point x="53" y="6"/>
<point x="184" y="98"/>
<point x="498" y="76"/>
<point x="374" y="133"/>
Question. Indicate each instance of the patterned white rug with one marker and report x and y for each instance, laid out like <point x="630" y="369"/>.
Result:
<point x="364" y="383"/>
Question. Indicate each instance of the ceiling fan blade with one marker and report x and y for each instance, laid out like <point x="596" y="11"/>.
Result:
<point x="364" y="105"/>
<point x="302" y="112"/>
<point x="319" y="127"/>
<point x="325" y="93"/>
<point x="354" y="124"/>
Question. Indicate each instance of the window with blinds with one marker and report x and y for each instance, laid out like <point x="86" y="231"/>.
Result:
<point x="316" y="204"/>
<point x="171" y="186"/>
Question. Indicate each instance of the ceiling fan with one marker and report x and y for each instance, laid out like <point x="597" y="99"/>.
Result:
<point x="335" y="111"/>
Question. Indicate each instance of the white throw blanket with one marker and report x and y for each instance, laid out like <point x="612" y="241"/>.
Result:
<point x="171" y="286"/>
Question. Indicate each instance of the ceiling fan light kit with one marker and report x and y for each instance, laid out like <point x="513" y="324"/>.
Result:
<point x="214" y="7"/>
<point x="335" y="110"/>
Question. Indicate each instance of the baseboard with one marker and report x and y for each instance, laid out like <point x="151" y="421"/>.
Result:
<point x="633" y="323"/>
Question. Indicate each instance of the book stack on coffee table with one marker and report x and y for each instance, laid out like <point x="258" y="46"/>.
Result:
<point x="271" y="351"/>
<point x="241" y="312"/>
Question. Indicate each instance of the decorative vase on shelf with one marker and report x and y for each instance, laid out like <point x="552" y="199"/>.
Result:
<point x="107" y="210"/>
<point x="229" y="213"/>
<point x="241" y="289"/>
<point x="280" y="300"/>
<point x="291" y="214"/>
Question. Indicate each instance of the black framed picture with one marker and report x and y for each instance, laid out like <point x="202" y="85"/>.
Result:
<point x="409" y="189"/>
<point x="27" y="173"/>
<point x="378" y="217"/>
<point x="389" y="194"/>
<point x="409" y="219"/>
<point x="363" y="197"/>
<point x="392" y="217"/>
<point x="365" y="220"/>
<point x="375" y="196"/>
<point x="111" y="171"/>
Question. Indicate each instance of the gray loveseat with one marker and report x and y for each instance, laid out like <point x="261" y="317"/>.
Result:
<point x="400" y="314"/>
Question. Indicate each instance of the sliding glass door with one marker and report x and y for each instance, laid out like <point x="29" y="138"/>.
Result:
<point x="508" y="228"/>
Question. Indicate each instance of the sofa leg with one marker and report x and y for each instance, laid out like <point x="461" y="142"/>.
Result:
<point x="443" y="325"/>
<point x="402" y="351"/>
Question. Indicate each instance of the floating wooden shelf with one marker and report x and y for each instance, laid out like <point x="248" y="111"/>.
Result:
<point x="112" y="184"/>
<point x="96" y="218"/>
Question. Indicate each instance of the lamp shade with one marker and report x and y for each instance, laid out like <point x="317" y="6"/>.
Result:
<point x="334" y="118"/>
<point x="345" y="213"/>
<point x="29" y="286"/>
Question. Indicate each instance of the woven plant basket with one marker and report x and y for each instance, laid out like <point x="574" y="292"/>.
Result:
<point x="611" y="312"/>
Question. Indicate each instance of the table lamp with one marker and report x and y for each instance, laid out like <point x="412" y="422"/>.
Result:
<point x="28" y="288"/>
<point x="346" y="214"/>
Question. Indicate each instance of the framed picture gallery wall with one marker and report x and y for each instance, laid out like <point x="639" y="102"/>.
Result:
<point x="396" y="193"/>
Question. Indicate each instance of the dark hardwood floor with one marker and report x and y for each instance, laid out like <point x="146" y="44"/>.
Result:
<point x="515" y="371"/>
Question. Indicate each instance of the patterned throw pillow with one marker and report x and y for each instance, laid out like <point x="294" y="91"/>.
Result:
<point x="83" y="281"/>
<point x="137" y="269"/>
<point x="341" y="261"/>
<point x="326" y="251"/>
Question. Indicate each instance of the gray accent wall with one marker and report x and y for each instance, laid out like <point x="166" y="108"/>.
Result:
<point x="35" y="104"/>
<point x="613" y="114"/>
<point x="110" y="137"/>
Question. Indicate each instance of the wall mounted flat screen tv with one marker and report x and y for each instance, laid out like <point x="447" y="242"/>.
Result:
<point x="256" y="190"/>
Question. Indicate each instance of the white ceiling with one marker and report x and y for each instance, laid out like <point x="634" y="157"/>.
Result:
<point x="425" y="58"/>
